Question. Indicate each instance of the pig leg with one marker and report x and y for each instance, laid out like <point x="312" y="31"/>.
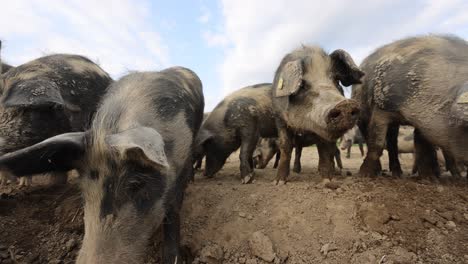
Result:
<point x="348" y="154"/>
<point x="378" y="126"/>
<point x="172" y="252"/>
<point x="338" y="158"/>
<point x="415" y="165"/>
<point x="392" y="148"/>
<point x="361" y="148"/>
<point x="297" y="159"/>
<point x="198" y="164"/>
<point x="277" y="158"/>
<point x="3" y="180"/>
<point x="6" y="176"/>
<point x="426" y="156"/>
<point x="451" y="164"/>
<point x="326" y="165"/>
<point x="286" y="146"/>
<point x="25" y="181"/>
<point x="249" y="142"/>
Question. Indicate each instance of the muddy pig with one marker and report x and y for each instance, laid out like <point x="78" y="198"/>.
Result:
<point x="134" y="164"/>
<point x="237" y="121"/>
<point x="3" y="66"/>
<point x="406" y="145"/>
<point x="199" y="156"/>
<point x="268" y="147"/>
<point x="307" y="98"/>
<point x="417" y="81"/>
<point x="353" y="136"/>
<point x="45" y="97"/>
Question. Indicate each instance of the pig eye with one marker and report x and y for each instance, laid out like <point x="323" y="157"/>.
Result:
<point x="135" y="185"/>
<point x="94" y="174"/>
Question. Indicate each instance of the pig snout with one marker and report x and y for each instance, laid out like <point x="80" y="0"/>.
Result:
<point x="261" y="164"/>
<point x="343" y="116"/>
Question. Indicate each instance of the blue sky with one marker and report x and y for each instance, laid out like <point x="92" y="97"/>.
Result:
<point x="228" y="43"/>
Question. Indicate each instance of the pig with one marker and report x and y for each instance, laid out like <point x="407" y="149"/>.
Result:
<point x="45" y="97"/>
<point x="456" y="168"/>
<point x="418" y="81"/>
<point x="405" y="140"/>
<point x="406" y="146"/>
<point x="134" y="164"/>
<point x="445" y="161"/>
<point x="307" y="98"/>
<point x="268" y="147"/>
<point x="351" y="137"/>
<point x="199" y="160"/>
<point x="237" y="121"/>
<point x="5" y="67"/>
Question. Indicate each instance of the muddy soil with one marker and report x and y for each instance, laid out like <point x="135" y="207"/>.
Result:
<point x="350" y="220"/>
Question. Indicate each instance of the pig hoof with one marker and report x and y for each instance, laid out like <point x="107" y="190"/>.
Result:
<point x="279" y="182"/>
<point x="325" y="181"/>
<point x="248" y="179"/>
<point x="297" y="170"/>
<point x="186" y="255"/>
<point x="23" y="182"/>
<point x="369" y="168"/>
<point x="396" y="174"/>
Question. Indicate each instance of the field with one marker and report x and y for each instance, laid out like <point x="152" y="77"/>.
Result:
<point x="350" y="220"/>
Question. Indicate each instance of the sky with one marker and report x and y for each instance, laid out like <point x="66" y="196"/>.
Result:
<point x="229" y="43"/>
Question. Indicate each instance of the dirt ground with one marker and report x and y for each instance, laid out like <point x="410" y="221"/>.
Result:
<point x="351" y="220"/>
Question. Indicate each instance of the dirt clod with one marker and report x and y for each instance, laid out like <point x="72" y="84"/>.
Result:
<point x="326" y="248"/>
<point x="401" y="256"/>
<point x="374" y="216"/>
<point x="261" y="246"/>
<point x="332" y="185"/>
<point x="212" y="254"/>
<point x="450" y="225"/>
<point x="429" y="219"/>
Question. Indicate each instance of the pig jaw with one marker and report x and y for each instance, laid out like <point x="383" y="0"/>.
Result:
<point x="116" y="238"/>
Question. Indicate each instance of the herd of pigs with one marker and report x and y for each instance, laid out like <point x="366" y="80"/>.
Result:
<point x="137" y="141"/>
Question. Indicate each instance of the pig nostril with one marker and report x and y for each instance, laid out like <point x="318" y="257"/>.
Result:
<point x="334" y="114"/>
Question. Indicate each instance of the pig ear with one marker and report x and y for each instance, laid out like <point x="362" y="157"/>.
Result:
<point x="289" y="79"/>
<point x="345" y="69"/>
<point x="142" y="144"/>
<point x="59" y="153"/>
<point x="202" y="136"/>
<point x="35" y="94"/>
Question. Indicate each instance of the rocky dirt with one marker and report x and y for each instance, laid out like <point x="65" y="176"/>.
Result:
<point x="350" y="220"/>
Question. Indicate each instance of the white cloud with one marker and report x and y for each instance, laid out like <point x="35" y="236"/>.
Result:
<point x="259" y="33"/>
<point x="205" y="17"/>
<point x="118" y="34"/>
<point x="213" y="39"/>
